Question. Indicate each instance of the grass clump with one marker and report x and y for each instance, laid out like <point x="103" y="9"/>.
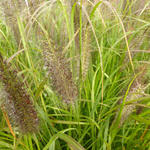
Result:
<point x="85" y="53"/>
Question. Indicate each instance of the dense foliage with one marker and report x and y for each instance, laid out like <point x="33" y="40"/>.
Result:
<point x="74" y="74"/>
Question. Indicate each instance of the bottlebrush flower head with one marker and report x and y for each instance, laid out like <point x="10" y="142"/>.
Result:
<point x="17" y="103"/>
<point x="136" y="91"/>
<point x="86" y="55"/>
<point x="60" y="74"/>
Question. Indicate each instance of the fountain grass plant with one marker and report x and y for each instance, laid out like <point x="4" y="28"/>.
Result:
<point x="92" y="50"/>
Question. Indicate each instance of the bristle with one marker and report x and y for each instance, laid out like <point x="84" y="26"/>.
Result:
<point x="60" y="74"/>
<point x="17" y="102"/>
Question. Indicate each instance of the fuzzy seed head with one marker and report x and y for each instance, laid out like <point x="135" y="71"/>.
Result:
<point x="60" y="74"/>
<point x="136" y="91"/>
<point x="17" y="103"/>
<point x="86" y="55"/>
